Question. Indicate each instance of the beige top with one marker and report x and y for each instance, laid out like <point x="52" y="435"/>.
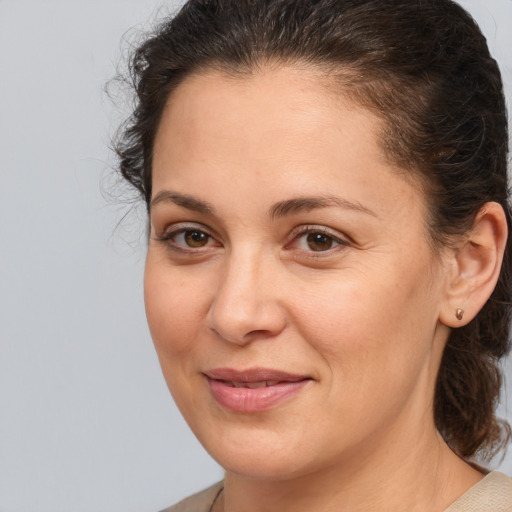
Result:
<point x="492" y="494"/>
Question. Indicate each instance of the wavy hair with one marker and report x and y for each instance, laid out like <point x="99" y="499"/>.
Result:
<point x="424" y="67"/>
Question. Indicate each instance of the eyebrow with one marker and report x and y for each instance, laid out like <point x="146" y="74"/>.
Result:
<point x="301" y="204"/>
<point x="279" y="210"/>
<point x="183" y="200"/>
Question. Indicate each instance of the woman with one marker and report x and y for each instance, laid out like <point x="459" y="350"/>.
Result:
<point x="328" y="272"/>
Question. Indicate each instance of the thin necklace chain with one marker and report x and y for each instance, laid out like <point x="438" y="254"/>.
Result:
<point x="212" y="506"/>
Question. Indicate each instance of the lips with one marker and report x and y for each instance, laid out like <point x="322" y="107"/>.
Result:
<point x="252" y="385"/>
<point x="253" y="390"/>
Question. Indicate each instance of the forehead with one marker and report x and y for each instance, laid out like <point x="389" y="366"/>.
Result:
<point x="269" y="110"/>
<point x="279" y="128"/>
<point x="274" y="95"/>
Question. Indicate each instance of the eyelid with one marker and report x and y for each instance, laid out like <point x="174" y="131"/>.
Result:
<point x="177" y="227"/>
<point x="306" y="229"/>
<point x="173" y="230"/>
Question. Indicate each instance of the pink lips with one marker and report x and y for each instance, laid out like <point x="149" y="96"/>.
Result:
<point x="253" y="390"/>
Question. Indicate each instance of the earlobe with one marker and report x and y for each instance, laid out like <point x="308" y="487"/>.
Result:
<point x="476" y="266"/>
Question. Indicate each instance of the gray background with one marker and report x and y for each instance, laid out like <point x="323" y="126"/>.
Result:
<point x="86" y="422"/>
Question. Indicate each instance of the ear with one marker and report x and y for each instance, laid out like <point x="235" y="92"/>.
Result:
<point x="476" y="266"/>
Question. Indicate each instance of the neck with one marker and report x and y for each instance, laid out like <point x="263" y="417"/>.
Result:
<point x="420" y="475"/>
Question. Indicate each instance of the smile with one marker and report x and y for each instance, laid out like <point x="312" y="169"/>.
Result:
<point x="252" y="385"/>
<point x="253" y="390"/>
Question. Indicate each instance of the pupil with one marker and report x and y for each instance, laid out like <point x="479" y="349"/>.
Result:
<point x="196" y="238"/>
<point x="319" y="242"/>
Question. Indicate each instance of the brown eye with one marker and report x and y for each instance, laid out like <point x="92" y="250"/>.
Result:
<point x="319" y="241"/>
<point x="194" y="238"/>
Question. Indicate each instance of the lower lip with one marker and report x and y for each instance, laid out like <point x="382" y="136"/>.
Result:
<point x="254" y="399"/>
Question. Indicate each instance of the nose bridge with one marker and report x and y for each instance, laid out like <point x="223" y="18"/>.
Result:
<point x="245" y="304"/>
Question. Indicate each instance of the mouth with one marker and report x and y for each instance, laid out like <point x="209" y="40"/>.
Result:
<point x="253" y="390"/>
<point x="251" y="385"/>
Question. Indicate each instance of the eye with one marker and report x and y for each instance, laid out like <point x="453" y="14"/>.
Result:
<point x="319" y="241"/>
<point x="193" y="238"/>
<point x="316" y="239"/>
<point x="186" y="238"/>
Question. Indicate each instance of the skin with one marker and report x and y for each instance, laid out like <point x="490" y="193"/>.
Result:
<point x="363" y="318"/>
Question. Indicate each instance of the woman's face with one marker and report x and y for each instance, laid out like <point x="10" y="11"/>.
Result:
<point x="290" y="287"/>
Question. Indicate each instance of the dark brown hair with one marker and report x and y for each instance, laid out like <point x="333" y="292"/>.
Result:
<point x="424" y="67"/>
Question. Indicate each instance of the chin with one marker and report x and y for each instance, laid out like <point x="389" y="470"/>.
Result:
<point x="261" y="465"/>
<point x="254" y="452"/>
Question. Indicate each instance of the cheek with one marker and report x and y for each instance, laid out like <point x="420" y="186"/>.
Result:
<point x="374" y="359"/>
<point x="352" y="308"/>
<point x="371" y="329"/>
<point x="174" y="307"/>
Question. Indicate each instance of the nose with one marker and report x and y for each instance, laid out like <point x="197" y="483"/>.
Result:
<point x="246" y="304"/>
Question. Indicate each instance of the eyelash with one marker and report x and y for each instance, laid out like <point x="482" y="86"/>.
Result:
<point x="304" y="231"/>
<point x="296" y="235"/>
<point x="169" y="237"/>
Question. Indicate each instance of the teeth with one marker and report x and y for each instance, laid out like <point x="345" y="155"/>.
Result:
<point x="253" y="385"/>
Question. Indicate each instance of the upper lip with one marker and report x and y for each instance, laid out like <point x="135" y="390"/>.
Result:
<point x="253" y="375"/>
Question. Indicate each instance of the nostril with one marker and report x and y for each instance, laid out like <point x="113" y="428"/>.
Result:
<point x="245" y="306"/>
<point x="240" y="337"/>
<point x="258" y="333"/>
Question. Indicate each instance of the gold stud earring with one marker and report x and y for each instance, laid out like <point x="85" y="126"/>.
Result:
<point x="459" y="314"/>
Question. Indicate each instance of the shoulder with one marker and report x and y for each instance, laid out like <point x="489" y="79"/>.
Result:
<point x="200" y="502"/>
<point x="492" y="494"/>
